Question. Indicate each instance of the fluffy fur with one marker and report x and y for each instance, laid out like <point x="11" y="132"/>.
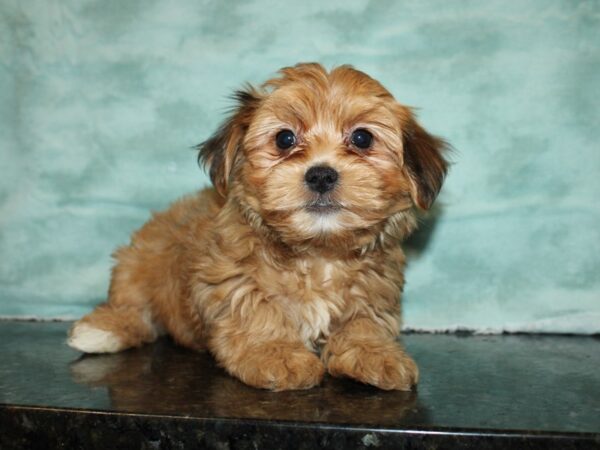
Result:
<point x="278" y="291"/>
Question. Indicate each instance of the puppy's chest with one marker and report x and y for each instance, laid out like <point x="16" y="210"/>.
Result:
<point x="312" y="295"/>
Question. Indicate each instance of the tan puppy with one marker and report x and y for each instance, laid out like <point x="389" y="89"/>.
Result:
<point x="291" y="266"/>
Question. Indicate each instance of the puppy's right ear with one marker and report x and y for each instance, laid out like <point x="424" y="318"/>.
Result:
<point x="219" y="152"/>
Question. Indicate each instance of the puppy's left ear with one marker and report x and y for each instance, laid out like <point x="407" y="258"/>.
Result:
<point x="219" y="152"/>
<point x="424" y="163"/>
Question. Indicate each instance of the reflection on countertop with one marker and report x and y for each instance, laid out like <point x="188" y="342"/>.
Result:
<point x="509" y="387"/>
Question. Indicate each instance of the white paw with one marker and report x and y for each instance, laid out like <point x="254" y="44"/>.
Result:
<point x="88" y="339"/>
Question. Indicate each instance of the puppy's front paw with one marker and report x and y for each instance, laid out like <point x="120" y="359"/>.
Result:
<point x="280" y="367"/>
<point x="386" y="365"/>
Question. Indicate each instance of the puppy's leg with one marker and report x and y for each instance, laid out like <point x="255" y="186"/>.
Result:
<point x="362" y="350"/>
<point x="125" y="320"/>
<point x="110" y="329"/>
<point x="258" y="345"/>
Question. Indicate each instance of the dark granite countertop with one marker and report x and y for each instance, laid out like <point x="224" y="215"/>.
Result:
<point x="475" y="392"/>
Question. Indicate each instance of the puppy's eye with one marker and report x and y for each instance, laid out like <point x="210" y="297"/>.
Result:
<point x="361" y="138"/>
<point x="285" y="139"/>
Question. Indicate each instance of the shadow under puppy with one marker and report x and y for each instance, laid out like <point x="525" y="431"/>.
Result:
<point x="291" y="265"/>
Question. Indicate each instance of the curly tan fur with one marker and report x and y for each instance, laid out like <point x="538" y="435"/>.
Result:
<point x="277" y="292"/>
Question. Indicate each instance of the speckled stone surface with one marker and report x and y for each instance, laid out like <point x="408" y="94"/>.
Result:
<point x="475" y="392"/>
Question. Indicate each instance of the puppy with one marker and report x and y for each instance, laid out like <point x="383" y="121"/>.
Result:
<point x="291" y="265"/>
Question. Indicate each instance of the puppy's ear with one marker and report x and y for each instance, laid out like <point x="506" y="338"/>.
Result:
<point x="219" y="152"/>
<point x="424" y="163"/>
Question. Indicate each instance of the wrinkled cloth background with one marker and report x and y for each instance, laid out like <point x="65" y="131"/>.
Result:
<point x="102" y="100"/>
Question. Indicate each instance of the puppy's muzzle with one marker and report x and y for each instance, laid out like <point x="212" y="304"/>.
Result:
<point x="321" y="179"/>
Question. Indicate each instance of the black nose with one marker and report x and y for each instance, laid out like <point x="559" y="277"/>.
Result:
<point x="321" y="179"/>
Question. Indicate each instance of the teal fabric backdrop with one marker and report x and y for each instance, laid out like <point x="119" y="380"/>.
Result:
<point x="101" y="101"/>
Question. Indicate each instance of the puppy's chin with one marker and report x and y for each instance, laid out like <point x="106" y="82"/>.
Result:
<point x="318" y="222"/>
<point x="334" y="228"/>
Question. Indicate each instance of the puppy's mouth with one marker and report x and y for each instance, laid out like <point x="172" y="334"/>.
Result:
<point x="323" y="205"/>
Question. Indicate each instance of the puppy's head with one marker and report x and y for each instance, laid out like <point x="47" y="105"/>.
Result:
<point x="325" y="157"/>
